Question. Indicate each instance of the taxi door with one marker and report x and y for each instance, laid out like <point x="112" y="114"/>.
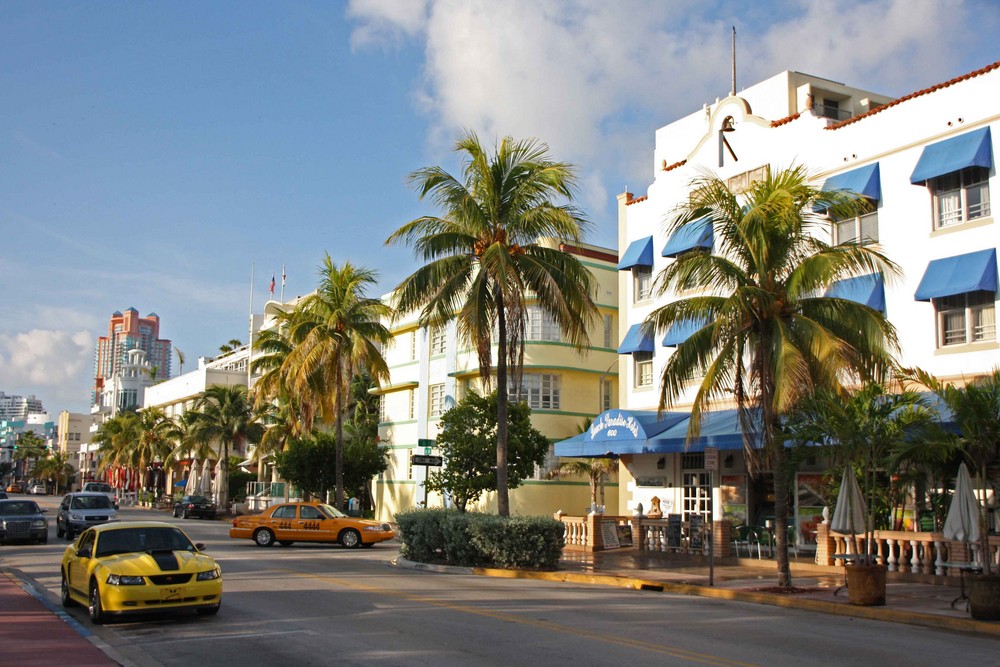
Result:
<point x="78" y="565"/>
<point x="284" y="523"/>
<point x="313" y="525"/>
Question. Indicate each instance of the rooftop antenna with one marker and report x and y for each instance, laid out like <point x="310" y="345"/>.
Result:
<point x="732" y="93"/>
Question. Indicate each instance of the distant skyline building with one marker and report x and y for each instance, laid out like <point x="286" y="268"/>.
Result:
<point x="15" y="408"/>
<point x="127" y="332"/>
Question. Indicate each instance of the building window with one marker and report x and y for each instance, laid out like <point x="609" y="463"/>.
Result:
<point x="381" y="408"/>
<point x="540" y="391"/>
<point x="412" y="412"/>
<point x="960" y="196"/>
<point x="439" y="339"/>
<point x="605" y="394"/>
<point x="697" y="495"/>
<point x="413" y="344"/>
<point x="541" y="326"/>
<point x="643" y="278"/>
<point x="966" y="318"/>
<point x="607" y="331"/>
<point x="643" y="368"/>
<point x="860" y="229"/>
<point x="436" y="399"/>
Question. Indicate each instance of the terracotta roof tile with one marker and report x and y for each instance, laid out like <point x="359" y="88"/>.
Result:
<point x="924" y="91"/>
<point x="673" y="166"/>
<point x="785" y="120"/>
<point x="636" y="200"/>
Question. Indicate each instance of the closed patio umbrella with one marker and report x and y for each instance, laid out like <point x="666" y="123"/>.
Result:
<point x="962" y="522"/>
<point x="191" y="488"/>
<point x="205" y="481"/>
<point x="849" y="514"/>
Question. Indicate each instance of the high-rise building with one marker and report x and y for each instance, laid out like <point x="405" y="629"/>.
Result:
<point x="126" y="332"/>
<point x="13" y="407"/>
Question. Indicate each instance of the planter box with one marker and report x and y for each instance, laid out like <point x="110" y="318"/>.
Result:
<point x="866" y="585"/>
<point x="984" y="597"/>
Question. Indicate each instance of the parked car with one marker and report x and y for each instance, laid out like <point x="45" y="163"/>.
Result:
<point x="38" y="489"/>
<point x="198" y="506"/>
<point x="79" y="511"/>
<point x="131" y="567"/>
<point x="14" y="487"/>
<point x="22" y="521"/>
<point x="3" y="495"/>
<point x="102" y="487"/>
<point x="288" y="523"/>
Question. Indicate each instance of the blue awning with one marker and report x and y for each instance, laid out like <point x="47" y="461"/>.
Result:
<point x="681" y="330"/>
<point x="868" y="290"/>
<point x="635" y="341"/>
<point x="975" y="271"/>
<point x="696" y="234"/>
<point x="639" y="253"/>
<point x="972" y="149"/>
<point x="865" y="181"/>
<point x="619" y="432"/>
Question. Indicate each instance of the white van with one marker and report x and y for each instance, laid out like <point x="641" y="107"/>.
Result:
<point x="102" y="487"/>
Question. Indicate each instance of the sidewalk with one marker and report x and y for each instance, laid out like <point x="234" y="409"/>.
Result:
<point x="753" y="581"/>
<point x="34" y="635"/>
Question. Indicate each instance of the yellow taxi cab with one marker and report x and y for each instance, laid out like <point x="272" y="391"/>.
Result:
<point x="287" y="523"/>
<point x="130" y="567"/>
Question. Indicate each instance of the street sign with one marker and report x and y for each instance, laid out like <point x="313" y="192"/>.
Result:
<point x="711" y="458"/>
<point x="427" y="444"/>
<point x="420" y="460"/>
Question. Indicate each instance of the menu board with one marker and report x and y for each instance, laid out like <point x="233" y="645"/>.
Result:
<point x="696" y="536"/>
<point x="674" y="531"/>
<point x="609" y="534"/>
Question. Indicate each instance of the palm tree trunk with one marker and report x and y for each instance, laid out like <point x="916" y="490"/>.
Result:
<point x="223" y="481"/>
<point x="503" y="494"/>
<point x="339" y="472"/>
<point x="781" y="515"/>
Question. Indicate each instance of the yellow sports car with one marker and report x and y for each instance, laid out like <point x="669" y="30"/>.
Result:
<point x="139" y="566"/>
<point x="288" y="523"/>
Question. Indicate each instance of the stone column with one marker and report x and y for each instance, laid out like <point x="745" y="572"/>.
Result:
<point x="825" y="546"/>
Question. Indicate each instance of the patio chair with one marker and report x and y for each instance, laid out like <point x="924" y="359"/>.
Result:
<point x="741" y="539"/>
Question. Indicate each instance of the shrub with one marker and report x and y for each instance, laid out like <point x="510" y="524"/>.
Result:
<point x="480" y="540"/>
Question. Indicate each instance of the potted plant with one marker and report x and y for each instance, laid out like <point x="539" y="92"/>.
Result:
<point x="975" y="412"/>
<point x="858" y="432"/>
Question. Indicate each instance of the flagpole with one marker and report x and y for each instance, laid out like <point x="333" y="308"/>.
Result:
<point x="282" y="283"/>
<point x="250" y="346"/>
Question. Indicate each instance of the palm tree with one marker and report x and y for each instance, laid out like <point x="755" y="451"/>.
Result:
<point x="225" y="417"/>
<point x="484" y="260"/>
<point x="180" y="360"/>
<point x="337" y="332"/>
<point x="771" y="336"/>
<point x="56" y="468"/>
<point x="30" y="447"/>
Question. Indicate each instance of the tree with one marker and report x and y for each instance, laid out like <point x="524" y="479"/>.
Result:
<point x="56" y="468"/>
<point x="29" y="448"/>
<point x="484" y="261"/>
<point x="863" y="429"/>
<point x="224" y="416"/>
<point x="975" y="413"/>
<point x="467" y="441"/>
<point x="180" y="361"/>
<point x="337" y="331"/>
<point x="770" y="337"/>
<point x="309" y="463"/>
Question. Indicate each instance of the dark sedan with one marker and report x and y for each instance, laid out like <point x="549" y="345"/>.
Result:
<point x="198" y="506"/>
<point x="22" y="521"/>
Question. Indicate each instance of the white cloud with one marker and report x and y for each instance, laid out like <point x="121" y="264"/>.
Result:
<point x="55" y="365"/>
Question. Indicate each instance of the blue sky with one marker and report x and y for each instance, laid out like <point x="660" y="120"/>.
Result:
<point x="150" y="153"/>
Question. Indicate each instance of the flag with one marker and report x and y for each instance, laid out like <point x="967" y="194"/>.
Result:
<point x="272" y="284"/>
<point x="282" y="275"/>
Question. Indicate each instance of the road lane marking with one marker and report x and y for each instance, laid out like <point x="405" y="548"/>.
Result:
<point x="541" y="624"/>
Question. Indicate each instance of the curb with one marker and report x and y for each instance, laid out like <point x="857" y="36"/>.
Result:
<point x="791" y="602"/>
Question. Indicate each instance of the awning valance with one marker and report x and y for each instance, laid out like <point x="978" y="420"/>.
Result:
<point x="681" y="330"/>
<point x="635" y="341"/>
<point x="696" y="234"/>
<point x="638" y="253"/>
<point x="972" y="272"/>
<point x="864" y="181"/>
<point x="868" y="290"/>
<point x="972" y="149"/>
<point x="390" y="388"/>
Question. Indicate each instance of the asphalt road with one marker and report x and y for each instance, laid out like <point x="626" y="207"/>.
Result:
<point x="324" y="605"/>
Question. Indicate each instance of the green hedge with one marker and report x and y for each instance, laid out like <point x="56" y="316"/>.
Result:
<point x="480" y="540"/>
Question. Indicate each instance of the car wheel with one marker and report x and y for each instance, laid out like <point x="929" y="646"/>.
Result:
<point x="177" y="513"/>
<point x="186" y="514"/>
<point x="209" y="611"/>
<point x="44" y="539"/>
<point x="94" y="609"/>
<point x="69" y="534"/>
<point x="286" y="543"/>
<point x="350" y="539"/>
<point x="67" y="601"/>
<point x="59" y="531"/>
<point x="263" y="537"/>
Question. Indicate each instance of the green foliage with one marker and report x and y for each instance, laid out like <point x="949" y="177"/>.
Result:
<point x="309" y="463"/>
<point x="238" y="480"/>
<point x="480" y="540"/>
<point x="468" y="441"/>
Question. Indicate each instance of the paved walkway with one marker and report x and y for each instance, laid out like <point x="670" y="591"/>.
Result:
<point x="32" y="634"/>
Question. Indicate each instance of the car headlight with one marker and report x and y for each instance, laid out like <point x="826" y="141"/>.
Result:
<point x="75" y="517"/>
<point x="40" y="523"/>
<point x="209" y="575"/>
<point x="377" y="529"/>
<point x="124" y="580"/>
<point x="113" y="517"/>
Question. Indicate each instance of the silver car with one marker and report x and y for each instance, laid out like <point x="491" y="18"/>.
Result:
<point x="79" y="511"/>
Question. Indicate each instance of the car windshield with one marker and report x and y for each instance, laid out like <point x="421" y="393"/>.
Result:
<point x="91" y="503"/>
<point x="99" y="488"/>
<point x="18" y="508"/>
<point x="130" y="540"/>
<point x="195" y="499"/>
<point x="332" y="512"/>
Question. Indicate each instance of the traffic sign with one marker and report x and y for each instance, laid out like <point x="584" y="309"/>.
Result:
<point x="421" y="460"/>
<point x="711" y="458"/>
